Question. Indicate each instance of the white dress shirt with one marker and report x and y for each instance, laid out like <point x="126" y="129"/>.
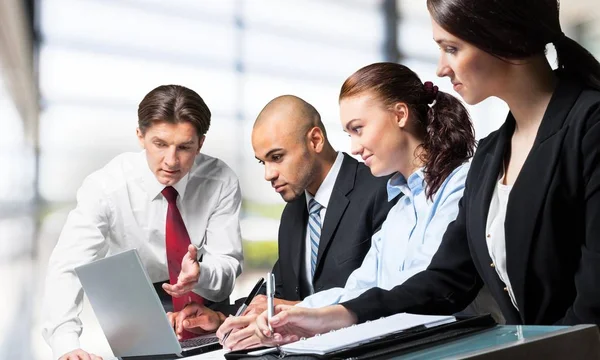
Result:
<point x="322" y="197"/>
<point x="408" y="239"/>
<point x="495" y="237"/>
<point x="120" y="207"/>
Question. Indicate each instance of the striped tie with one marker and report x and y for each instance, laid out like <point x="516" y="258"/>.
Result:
<point x="314" y="224"/>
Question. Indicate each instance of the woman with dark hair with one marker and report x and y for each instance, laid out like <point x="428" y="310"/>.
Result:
<point x="529" y="221"/>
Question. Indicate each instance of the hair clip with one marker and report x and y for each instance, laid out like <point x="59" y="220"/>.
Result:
<point x="431" y="91"/>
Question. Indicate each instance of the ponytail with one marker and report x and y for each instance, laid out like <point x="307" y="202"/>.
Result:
<point x="449" y="142"/>
<point x="442" y="121"/>
<point x="576" y="60"/>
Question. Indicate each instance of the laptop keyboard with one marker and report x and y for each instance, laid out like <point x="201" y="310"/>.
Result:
<point x="199" y="341"/>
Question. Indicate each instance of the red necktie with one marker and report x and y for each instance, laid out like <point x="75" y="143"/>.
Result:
<point x="177" y="242"/>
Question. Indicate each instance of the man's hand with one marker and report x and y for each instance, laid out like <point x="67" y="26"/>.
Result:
<point x="242" y="334"/>
<point x="189" y="275"/>
<point x="259" y="304"/>
<point x="195" y="318"/>
<point x="79" y="354"/>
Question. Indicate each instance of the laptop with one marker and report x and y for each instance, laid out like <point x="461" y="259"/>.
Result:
<point x="130" y="312"/>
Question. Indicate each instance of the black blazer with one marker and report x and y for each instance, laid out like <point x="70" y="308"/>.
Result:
<point x="552" y="227"/>
<point x="357" y="208"/>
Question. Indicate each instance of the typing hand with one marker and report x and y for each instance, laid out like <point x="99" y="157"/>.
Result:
<point x="79" y="354"/>
<point x="195" y="318"/>
<point x="242" y="334"/>
<point x="189" y="275"/>
<point x="291" y="323"/>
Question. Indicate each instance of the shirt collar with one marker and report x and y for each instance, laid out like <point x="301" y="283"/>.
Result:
<point x="153" y="187"/>
<point x="412" y="187"/>
<point x="324" y="192"/>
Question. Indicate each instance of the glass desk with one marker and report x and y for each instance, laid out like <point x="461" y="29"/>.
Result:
<point x="485" y="340"/>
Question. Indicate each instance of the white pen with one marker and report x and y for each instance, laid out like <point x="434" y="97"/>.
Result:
<point x="270" y="298"/>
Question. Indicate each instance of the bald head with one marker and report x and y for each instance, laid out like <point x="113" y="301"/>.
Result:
<point x="289" y="139"/>
<point x="291" y="113"/>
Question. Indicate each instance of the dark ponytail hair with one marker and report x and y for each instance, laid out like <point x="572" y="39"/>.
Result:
<point x="448" y="136"/>
<point x="576" y="60"/>
<point x="450" y="139"/>
<point x="516" y="29"/>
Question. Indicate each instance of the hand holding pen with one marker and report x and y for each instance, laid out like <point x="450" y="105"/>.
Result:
<point x="270" y="297"/>
<point x="243" y="307"/>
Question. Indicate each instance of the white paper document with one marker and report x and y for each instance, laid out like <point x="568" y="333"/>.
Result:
<point x="363" y="333"/>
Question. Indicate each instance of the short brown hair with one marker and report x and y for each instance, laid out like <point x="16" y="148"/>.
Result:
<point x="173" y="104"/>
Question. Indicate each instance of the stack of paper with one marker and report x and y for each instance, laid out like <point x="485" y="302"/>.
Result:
<point x="363" y="333"/>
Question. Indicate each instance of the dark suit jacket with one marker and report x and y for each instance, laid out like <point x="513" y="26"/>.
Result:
<point x="552" y="227"/>
<point x="357" y="208"/>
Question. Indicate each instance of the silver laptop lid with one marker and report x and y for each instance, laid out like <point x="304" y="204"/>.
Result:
<point x="127" y="306"/>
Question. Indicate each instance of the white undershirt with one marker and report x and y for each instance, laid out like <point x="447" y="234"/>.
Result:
<point x="495" y="237"/>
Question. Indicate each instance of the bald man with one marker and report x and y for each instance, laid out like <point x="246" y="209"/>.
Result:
<point x="334" y="206"/>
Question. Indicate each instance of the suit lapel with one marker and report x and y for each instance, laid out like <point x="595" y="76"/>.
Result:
<point x="297" y="234"/>
<point x="338" y="202"/>
<point x="490" y="170"/>
<point x="531" y="186"/>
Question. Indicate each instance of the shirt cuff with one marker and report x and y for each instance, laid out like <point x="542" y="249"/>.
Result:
<point x="64" y="343"/>
<point x="204" y="277"/>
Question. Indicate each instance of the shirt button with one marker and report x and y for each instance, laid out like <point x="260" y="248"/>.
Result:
<point x="506" y="289"/>
<point x="489" y="236"/>
<point x="493" y="265"/>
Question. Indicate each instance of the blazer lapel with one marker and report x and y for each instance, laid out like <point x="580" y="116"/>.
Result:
<point x="529" y="190"/>
<point x="338" y="202"/>
<point x="492" y="166"/>
<point x="490" y="171"/>
<point x="297" y="234"/>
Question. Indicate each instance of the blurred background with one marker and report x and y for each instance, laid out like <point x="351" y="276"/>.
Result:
<point x="73" y="72"/>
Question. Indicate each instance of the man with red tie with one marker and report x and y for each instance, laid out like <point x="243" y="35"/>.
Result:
<point x="179" y="208"/>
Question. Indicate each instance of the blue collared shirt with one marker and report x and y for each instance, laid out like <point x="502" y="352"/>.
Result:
<point x="409" y="236"/>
